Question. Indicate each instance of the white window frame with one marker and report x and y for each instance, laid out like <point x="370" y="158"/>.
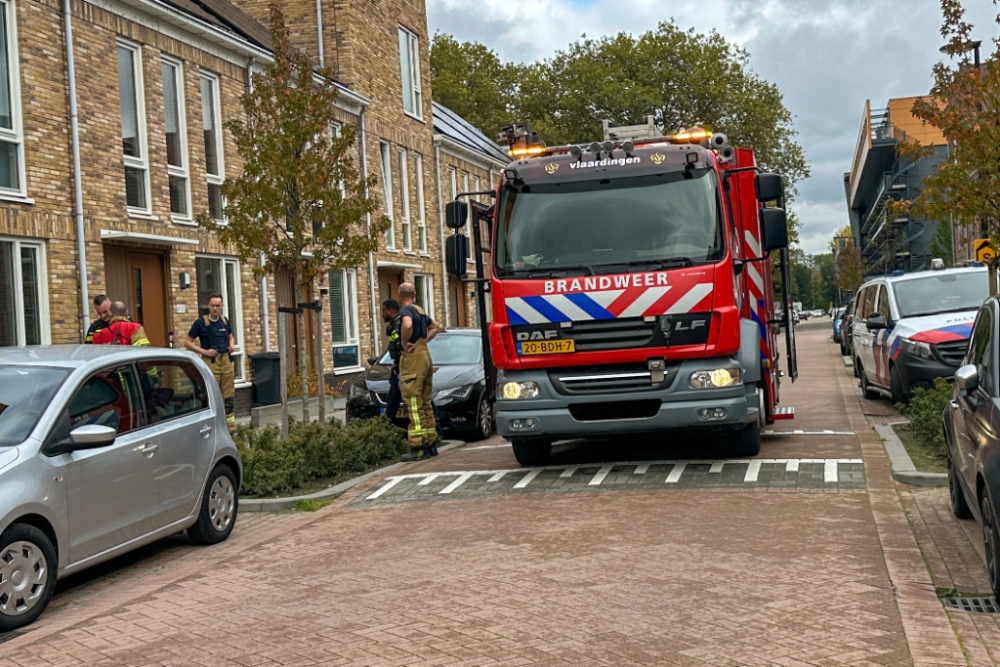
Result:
<point x="351" y="321"/>
<point x="142" y="162"/>
<point x="181" y="171"/>
<point x="43" y="289"/>
<point x="468" y="217"/>
<point x="233" y="311"/>
<point x="428" y="296"/>
<point x="414" y="96"/>
<point x="16" y="134"/>
<point x="335" y="130"/>
<point x="404" y="200"/>
<point x="215" y="179"/>
<point x="418" y="169"/>
<point x="385" y="151"/>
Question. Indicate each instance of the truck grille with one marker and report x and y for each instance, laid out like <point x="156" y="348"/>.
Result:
<point x="595" y="412"/>
<point x="611" y="334"/>
<point x="608" y="379"/>
<point x="952" y="353"/>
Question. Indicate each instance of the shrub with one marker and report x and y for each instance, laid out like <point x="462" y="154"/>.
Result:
<point x="925" y="411"/>
<point x="272" y="465"/>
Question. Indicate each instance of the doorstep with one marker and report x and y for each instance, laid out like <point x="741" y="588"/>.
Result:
<point x="903" y="469"/>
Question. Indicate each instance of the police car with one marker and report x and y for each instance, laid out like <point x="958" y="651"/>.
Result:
<point x="912" y="328"/>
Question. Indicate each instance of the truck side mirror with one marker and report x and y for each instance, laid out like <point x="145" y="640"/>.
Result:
<point x="769" y="187"/>
<point x="773" y="229"/>
<point x="456" y="254"/>
<point x="456" y="214"/>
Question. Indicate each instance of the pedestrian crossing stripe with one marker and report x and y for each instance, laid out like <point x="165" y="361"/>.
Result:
<point x="803" y="432"/>
<point x="831" y="472"/>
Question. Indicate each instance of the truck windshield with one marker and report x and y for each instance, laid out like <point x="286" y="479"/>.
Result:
<point x="609" y="225"/>
<point x="944" y="293"/>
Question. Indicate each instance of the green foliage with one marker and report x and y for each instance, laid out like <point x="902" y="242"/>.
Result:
<point x="925" y="411"/>
<point x="311" y="505"/>
<point x="311" y="451"/>
<point x="941" y="243"/>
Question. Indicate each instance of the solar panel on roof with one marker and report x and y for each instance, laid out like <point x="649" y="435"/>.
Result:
<point x="455" y="127"/>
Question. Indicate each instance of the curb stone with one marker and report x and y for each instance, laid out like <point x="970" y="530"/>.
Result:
<point x="903" y="469"/>
<point x="281" y="504"/>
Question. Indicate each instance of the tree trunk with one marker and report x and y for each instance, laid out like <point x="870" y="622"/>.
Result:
<point x="300" y="291"/>
<point x="992" y="267"/>
<point x="282" y="372"/>
<point x="318" y="347"/>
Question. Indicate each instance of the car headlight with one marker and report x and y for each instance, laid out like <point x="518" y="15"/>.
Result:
<point x="358" y="391"/>
<point x="454" y="394"/>
<point x="715" y="379"/>
<point x="916" y="348"/>
<point x="513" y="391"/>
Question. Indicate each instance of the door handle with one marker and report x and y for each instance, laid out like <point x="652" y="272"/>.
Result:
<point x="149" y="449"/>
<point x="205" y="430"/>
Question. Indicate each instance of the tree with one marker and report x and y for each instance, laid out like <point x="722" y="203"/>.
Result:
<point x="300" y="201"/>
<point x="963" y="104"/>
<point x="825" y="286"/>
<point x="941" y="243"/>
<point x="850" y="269"/>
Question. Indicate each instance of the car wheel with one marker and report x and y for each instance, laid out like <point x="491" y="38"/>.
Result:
<point x="219" y="506"/>
<point x="896" y="384"/>
<point x="843" y="350"/>
<point x="991" y="541"/>
<point x="531" y="451"/>
<point x="28" y="565"/>
<point x="866" y="389"/>
<point x="484" y="418"/>
<point x="746" y="440"/>
<point x="959" y="505"/>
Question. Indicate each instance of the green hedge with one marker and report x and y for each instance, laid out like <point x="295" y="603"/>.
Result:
<point x="926" y="410"/>
<point x="312" y="451"/>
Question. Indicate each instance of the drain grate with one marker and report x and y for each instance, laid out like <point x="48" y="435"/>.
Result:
<point x="980" y="605"/>
<point x="7" y="636"/>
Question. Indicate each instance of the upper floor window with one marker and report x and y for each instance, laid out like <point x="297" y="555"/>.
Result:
<point x="409" y="61"/>
<point x="404" y="201"/>
<point x="386" y="154"/>
<point x="133" y="112"/>
<point x="177" y="164"/>
<point x="418" y="172"/>
<point x="212" y="126"/>
<point x="11" y="139"/>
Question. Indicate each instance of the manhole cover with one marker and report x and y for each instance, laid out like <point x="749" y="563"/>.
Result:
<point x="981" y="605"/>
<point x="7" y="636"/>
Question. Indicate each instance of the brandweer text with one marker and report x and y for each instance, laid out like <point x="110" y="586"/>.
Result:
<point x="606" y="282"/>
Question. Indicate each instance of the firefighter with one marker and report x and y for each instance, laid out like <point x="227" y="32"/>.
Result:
<point x="119" y="331"/>
<point x="215" y="342"/>
<point x="416" y="373"/>
<point x="390" y="315"/>
<point x="102" y="306"/>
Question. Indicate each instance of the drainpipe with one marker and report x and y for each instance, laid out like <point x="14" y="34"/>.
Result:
<point x="446" y="288"/>
<point x="264" y="310"/>
<point x="368" y="228"/>
<point x="74" y="128"/>
<point x="319" y="30"/>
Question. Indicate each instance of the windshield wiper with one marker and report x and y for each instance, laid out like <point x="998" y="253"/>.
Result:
<point x="658" y="264"/>
<point x="553" y="270"/>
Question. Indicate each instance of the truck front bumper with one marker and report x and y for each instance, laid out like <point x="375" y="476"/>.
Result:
<point x="554" y="415"/>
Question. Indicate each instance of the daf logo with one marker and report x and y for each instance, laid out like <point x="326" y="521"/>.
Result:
<point x="552" y="167"/>
<point x="691" y="326"/>
<point x="537" y="335"/>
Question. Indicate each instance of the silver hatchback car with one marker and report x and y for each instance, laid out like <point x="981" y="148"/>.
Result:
<point x="104" y="449"/>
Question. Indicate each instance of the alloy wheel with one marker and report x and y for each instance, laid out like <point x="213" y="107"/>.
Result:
<point x="221" y="503"/>
<point x="990" y="540"/>
<point x="23" y="576"/>
<point x="485" y="418"/>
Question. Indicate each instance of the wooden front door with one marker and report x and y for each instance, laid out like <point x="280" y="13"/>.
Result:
<point x="388" y="285"/>
<point x="287" y="297"/>
<point x="457" y="298"/>
<point x="139" y="279"/>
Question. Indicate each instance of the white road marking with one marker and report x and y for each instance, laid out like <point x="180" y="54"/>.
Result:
<point x="753" y="471"/>
<point x="802" y="432"/>
<point x="568" y="472"/>
<point x="390" y="482"/>
<point x="497" y="477"/>
<point x="717" y="466"/>
<point x="641" y="469"/>
<point x="427" y="480"/>
<point x="488" y="447"/>
<point x="830" y="471"/>
<point x="675" y="474"/>
<point x="601" y="474"/>
<point x="462" y="479"/>
<point x="792" y="466"/>
<point x="526" y="480"/>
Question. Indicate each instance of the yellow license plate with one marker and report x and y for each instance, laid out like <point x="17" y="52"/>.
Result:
<point x="401" y="412"/>
<point x="547" y="347"/>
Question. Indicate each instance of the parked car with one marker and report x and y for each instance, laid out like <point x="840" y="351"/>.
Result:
<point x="971" y="425"/>
<point x="803" y="314"/>
<point x="459" y="387"/>
<point x="104" y="449"/>
<point x="838" y="317"/>
<point x="912" y="328"/>
<point x="847" y="327"/>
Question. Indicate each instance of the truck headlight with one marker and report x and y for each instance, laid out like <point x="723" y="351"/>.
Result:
<point x="715" y="379"/>
<point x="512" y="391"/>
<point x="916" y="348"/>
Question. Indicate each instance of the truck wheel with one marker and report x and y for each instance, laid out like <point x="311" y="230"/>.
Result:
<point x="531" y="451"/>
<point x="746" y="440"/>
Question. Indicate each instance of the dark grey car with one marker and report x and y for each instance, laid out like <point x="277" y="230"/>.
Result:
<point x="103" y="449"/>
<point x="972" y="433"/>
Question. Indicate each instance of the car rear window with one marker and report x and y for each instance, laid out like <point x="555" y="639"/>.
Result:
<point x="25" y="392"/>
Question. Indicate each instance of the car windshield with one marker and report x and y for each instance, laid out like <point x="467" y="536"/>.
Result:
<point x="944" y="293"/>
<point x="451" y="350"/>
<point x="25" y="391"/>
<point x="609" y="225"/>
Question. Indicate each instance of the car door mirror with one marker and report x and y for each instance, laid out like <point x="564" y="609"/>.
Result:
<point x="372" y="360"/>
<point x="966" y="379"/>
<point x="92" y="436"/>
<point x="876" y="323"/>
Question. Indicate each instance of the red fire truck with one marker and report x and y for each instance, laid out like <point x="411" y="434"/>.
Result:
<point x="630" y="288"/>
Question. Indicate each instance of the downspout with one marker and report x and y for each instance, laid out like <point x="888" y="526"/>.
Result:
<point x="319" y="30"/>
<point x="265" y="314"/>
<point x="368" y="229"/>
<point x="81" y="246"/>
<point x="446" y="288"/>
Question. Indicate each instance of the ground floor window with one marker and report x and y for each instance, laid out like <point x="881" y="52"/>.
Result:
<point x="23" y="303"/>
<point x="425" y="293"/>
<point x="344" y="319"/>
<point x="221" y="275"/>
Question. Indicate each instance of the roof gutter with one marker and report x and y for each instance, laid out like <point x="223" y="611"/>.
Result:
<point x="81" y="246"/>
<point x="466" y="153"/>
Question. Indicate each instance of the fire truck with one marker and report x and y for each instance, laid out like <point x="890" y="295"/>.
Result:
<point x="630" y="288"/>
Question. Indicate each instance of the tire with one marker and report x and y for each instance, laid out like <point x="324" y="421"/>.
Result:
<point x="746" y="440"/>
<point x="484" y="419"/>
<point x="531" y="451"/>
<point x="28" y="567"/>
<point x="866" y="390"/>
<point x="896" y="384"/>
<point x="219" y="506"/>
<point x="991" y="540"/>
<point x="843" y="350"/>
<point x="959" y="505"/>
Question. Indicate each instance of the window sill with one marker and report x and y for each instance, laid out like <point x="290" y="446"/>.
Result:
<point x="243" y="385"/>
<point x="425" y="254"/>
<point x="410" y="252"/>
<point x="187" y="222"/>
<point x="414" y="116"/>
<point x="350" y="369"/>
<point x="16" y="199"/>
<point x="392" y="250"/>
<point x="139" y="215"/>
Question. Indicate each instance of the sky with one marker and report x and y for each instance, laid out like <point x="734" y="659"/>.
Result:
<point x="826" y="56"/>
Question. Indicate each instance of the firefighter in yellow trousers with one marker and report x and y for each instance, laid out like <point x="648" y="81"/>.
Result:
<point x="211" y="336"/>
<point x="416" y="373"/>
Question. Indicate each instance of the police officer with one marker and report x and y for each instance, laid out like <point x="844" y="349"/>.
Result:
<point x="416" y="373"/>
<point x="390" y="315"/>
<point x="102" y="306"/>
<point x="215" y="343"/>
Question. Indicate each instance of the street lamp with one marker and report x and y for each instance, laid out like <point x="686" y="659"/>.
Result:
<point x="972" y="46"/>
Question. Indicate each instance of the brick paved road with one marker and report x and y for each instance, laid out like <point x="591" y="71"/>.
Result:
<point x="628" y="571"/>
